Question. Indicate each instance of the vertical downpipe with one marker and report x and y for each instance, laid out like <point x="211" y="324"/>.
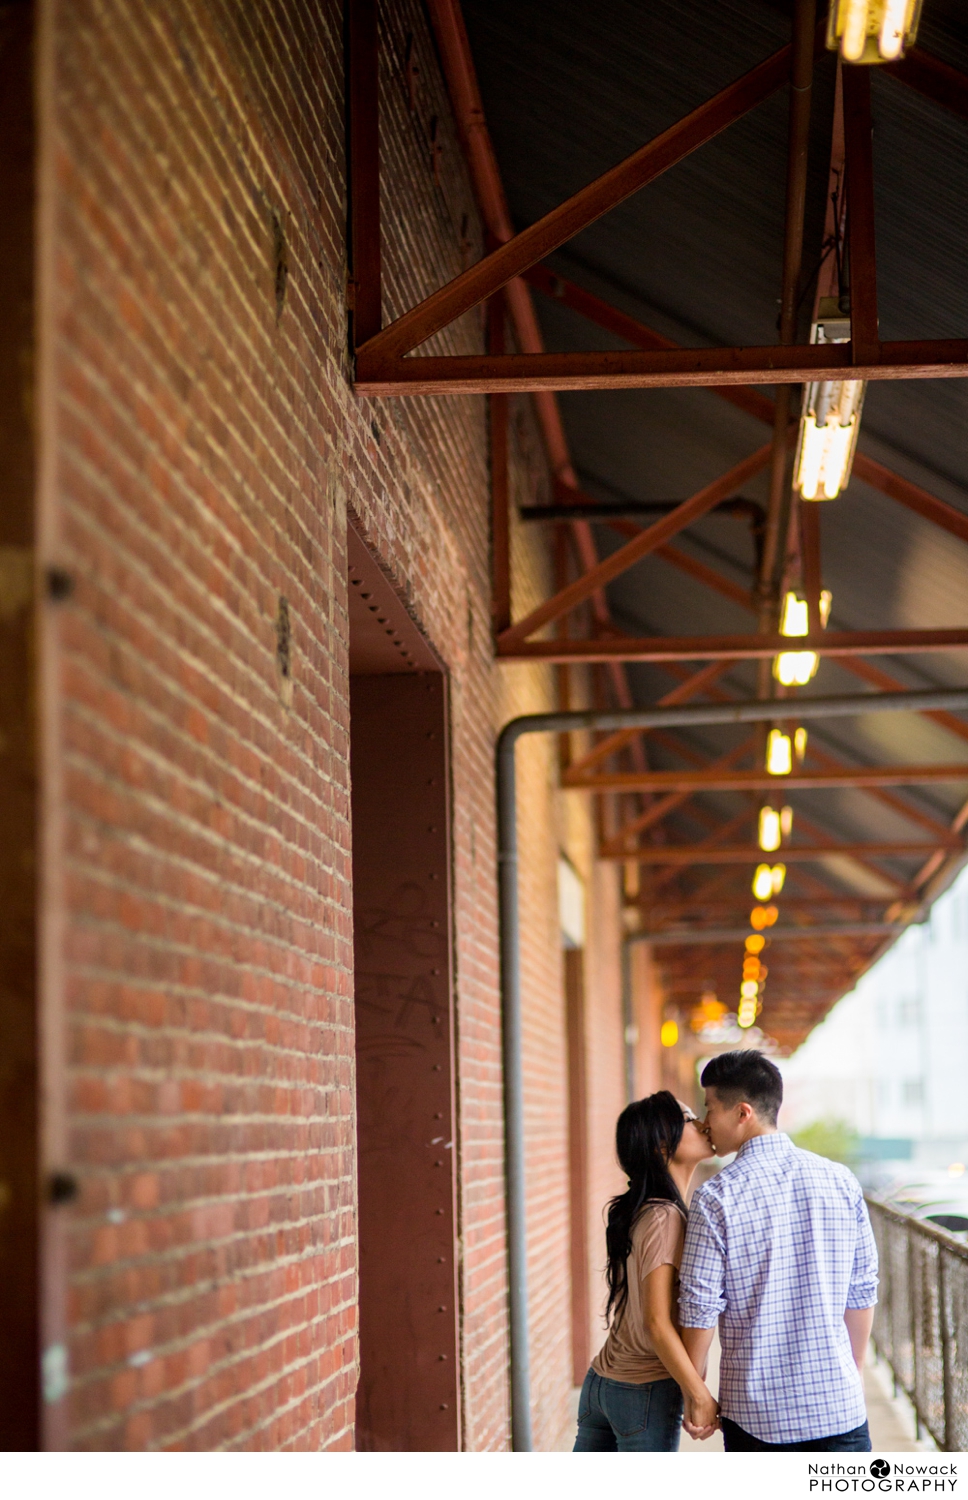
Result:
<point x="521" y="1440"/>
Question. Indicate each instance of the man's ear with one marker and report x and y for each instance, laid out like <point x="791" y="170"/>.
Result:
<point x="744" y="1111"/>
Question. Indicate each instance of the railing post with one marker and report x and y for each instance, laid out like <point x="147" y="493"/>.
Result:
<point x="913" y="1330"/>
<point x="946" y="1371"/>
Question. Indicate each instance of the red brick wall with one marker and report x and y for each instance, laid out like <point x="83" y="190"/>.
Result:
<point x="202" y="447"/>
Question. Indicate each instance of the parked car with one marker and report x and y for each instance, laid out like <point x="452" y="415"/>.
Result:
<point x="935" y="1197"/>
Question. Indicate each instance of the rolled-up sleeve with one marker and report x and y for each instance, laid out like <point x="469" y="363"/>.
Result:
<point x="863" y="1276"/>
<point x="702" y="1274"/>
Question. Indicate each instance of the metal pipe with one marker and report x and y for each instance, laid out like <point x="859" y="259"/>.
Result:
<point x="781" y="493"/>
<point x="677" y="716"/>
<point x="629" y="1034"/>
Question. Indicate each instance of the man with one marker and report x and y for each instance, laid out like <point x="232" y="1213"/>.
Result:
<point x="779" y="1251"/>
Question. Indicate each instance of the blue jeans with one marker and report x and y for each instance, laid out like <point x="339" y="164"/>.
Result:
<point x="616" y="1417"/>
<point x="735" y="1440"/>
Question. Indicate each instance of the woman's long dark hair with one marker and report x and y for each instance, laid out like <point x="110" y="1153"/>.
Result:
<point x="647" y="1136"/>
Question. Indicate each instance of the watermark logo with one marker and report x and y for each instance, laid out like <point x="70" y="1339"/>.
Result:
<point x="880" y="1475"/>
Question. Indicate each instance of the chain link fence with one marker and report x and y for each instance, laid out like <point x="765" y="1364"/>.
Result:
<point x="921" y="1320"/>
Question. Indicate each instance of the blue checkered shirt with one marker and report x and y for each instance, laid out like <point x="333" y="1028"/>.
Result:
<point x="777" y="1246"/>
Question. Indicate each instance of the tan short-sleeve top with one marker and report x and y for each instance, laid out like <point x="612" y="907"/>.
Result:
<point x="627" y="1353"/>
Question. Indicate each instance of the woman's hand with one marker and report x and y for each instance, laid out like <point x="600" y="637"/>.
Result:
<point x="701" y="1415"/>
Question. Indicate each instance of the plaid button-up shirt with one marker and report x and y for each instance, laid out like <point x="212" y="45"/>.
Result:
<point x="778" y="1245"/>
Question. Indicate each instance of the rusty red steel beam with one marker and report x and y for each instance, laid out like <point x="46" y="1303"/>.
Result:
<point x="671" y="369"/>
<point x="835" y="643"/>
<point x="612" y="743"/>
<point x="712" y="854"/>
<point x="826" y="761"/>
<point x="664" y="876"/>
<point x="666" y="805"/>
<point x="705" y="575"/>
<point x="568" y="219"/>
<point x="640" y="546"/>
<point x="933" y="79"/>
<point x="878" y="678"/>
<point x="745" y="781"/>
<point x="461" y="78"/>
<point x="867" y="469"/>
<point x="913" y="496"/>
<point x="866" y="670"/>
<point x="634" y="332"/>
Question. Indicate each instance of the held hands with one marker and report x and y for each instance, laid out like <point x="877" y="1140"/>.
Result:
<point x="701" y="1415"/>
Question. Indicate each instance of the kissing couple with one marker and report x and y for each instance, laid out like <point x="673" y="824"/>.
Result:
<point x="776" y="1249"/>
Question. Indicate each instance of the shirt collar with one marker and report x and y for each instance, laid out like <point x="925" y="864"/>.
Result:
<point x="775" y="1142"/>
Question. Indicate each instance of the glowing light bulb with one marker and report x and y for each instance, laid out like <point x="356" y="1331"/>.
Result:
<point x="770" y="829"/>
<point x="755" y="943"/>
<point x="749" y="989"/>
<point x="826" y="600"/>
<point x="786" y="821"/>
<point x="778" y="875"/>
<point x="746" y="1014"/>
<point x="795" y="668"/>
<point x="800" y="742"/>
<point x="872" y="31"/>
<point x="855" y="30"/>
<point x="890" y="41"/>
<point x="794" y="619"/>
<point x="669" y="1034"/>
<point x="812" y="441"/>
<point x="779" y="759"/>
<point x="763" y="916"/>
<point x="763" y="883"/>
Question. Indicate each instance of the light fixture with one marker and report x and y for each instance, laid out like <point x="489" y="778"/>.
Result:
<point x="872" y="31"/>
<point x="763" y="916"/>
<point x="770" y="829"/>
<point x="755" y="943"/>
<point x="830" y="417"/>
<point x="746" y="1014"/>
<point x="768" y="882"/>
<point x="795" y="668"/>
<point x="794" y="618"/>
<point x="669" y="1034"/>
<point x="800" y="742"/>
<point x="779" y="758"/>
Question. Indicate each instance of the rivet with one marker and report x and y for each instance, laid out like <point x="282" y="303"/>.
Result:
<point x="61" y="1188"/>
<point x="60" y="584"/>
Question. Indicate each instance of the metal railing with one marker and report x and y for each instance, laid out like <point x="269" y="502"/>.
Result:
<point x="921" y="1320"/>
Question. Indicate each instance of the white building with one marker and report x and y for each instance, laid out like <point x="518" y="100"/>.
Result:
<point x="891" y="1059"/>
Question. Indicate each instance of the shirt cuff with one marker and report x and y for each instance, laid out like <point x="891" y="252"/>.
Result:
<point x="862" y="1294"/>
<point x="694" y="1314"/>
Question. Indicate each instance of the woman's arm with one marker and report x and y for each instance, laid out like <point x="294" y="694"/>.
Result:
<point x="657" y="1290"/>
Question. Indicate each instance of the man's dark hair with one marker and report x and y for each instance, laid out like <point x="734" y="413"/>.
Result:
<point x="746" y="1077"/>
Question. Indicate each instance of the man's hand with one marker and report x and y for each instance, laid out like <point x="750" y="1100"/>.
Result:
<point x="701" y="1416"/>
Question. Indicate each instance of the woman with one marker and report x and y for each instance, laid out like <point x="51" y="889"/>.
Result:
<point x="632" y="1399"/>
